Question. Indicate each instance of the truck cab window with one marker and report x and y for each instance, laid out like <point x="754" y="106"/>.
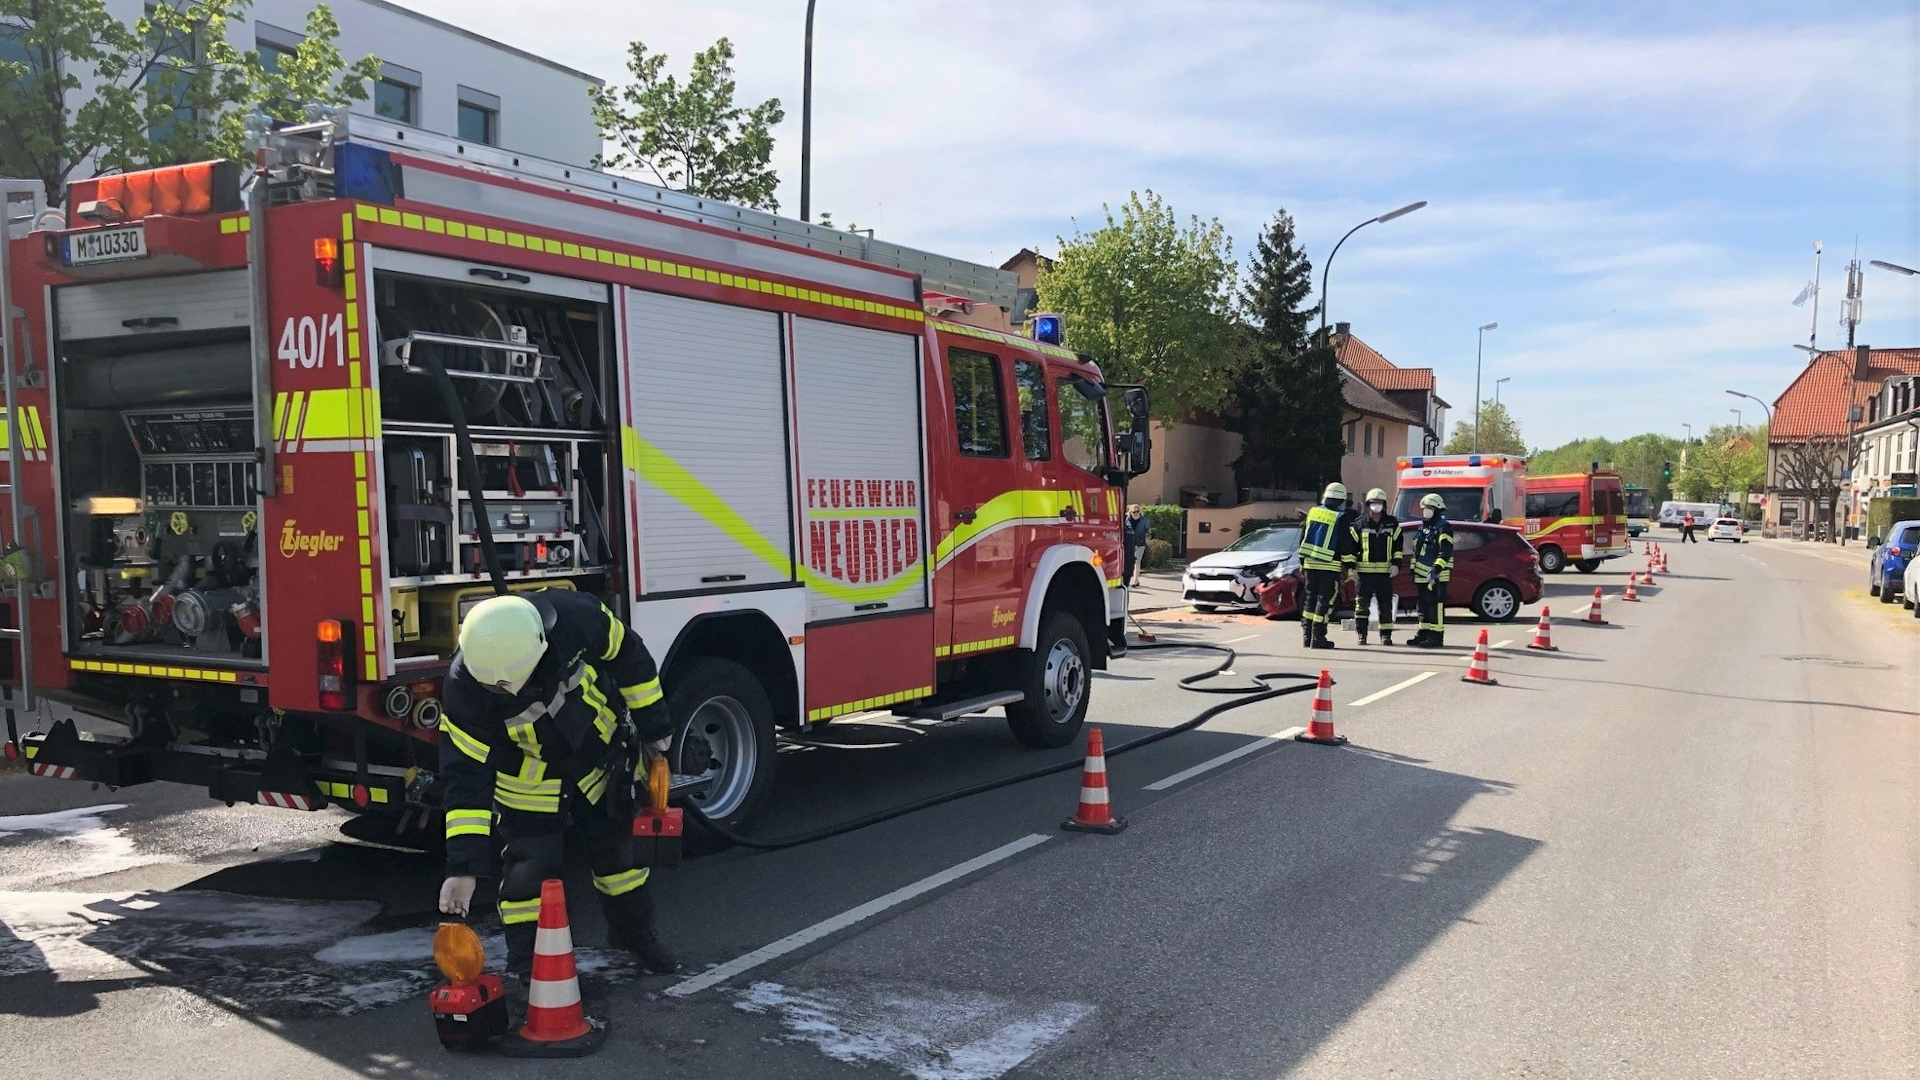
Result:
<point x="977" y="413"/>
<point x="1083" y="428"/>
<point x="1036" y="435"/>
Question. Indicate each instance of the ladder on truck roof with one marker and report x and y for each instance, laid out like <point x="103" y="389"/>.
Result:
<point x="21" y="204"/>
<point x="976" y="282"/>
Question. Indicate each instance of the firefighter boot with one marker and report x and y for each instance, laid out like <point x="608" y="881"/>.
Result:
<point x="630" y="926"/>
<point x="1386" y="634"/>
<point x="1306" y="633"/>
<point x="1320" y="640"/>
<point x="1361" y="625"/>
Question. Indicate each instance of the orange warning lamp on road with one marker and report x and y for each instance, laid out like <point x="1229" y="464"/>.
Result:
<point x="471" y="1008"/>
<point x="658" y="828"/>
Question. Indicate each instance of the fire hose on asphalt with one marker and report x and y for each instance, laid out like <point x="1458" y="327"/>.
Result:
<point x="1242" y="697"/>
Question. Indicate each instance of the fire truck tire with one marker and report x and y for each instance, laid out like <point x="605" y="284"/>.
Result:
<point x="1057" y="678"/>
<point x="1552" y="560"/>
<point x="1587" y="566"/>
<point x="723" y="724"/>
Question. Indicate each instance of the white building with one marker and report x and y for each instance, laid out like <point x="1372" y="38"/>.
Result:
<point x="1889" y="442"/>
<point x="435" y="75"/>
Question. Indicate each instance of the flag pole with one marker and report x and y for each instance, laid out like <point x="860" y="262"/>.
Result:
<point x="1813" y="335"/>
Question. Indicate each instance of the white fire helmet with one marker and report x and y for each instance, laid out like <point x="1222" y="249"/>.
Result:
<point x="502" y="641"/>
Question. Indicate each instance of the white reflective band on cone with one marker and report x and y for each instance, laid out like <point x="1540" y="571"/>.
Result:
<point x="1093" y="795"/>
<point x="1098" y="764"/>
<point x="553" y="942"/>
<point x="553" y="995"/>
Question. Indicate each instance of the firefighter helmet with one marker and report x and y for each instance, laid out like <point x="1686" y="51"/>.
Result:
<point x="1376" y="495"/>
<point x="1432" y="501"/>
<point x="502" y="641"/>
<point x="1336" y="492"/>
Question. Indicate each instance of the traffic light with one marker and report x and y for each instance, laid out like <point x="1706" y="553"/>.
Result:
<point x="1666" y="469"/>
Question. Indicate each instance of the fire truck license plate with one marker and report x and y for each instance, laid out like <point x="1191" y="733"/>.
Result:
<point x="105" y="245"/>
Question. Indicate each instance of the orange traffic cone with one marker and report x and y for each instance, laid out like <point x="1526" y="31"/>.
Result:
<point x="1593" y="611"/>
<point x="1477" y="671"/>
<point x="1632" y="597"/>
<point x="1543" y="634"/>
<point x="1320" y="728"/>
<point x="1095" y="813"/>
<point x="557" y="1025"/>
<point x="1652" y="563"/>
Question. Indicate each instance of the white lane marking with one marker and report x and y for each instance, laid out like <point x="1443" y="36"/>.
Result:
<point x="1184" y="775"/>
<point x="1394" y="689"/>
<point x="1496" y="645"/>
<point x="800" y="939"/>
<point x="1231" y="641"/>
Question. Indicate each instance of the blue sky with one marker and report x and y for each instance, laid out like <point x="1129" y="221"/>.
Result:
<point x="1632" y="190"/>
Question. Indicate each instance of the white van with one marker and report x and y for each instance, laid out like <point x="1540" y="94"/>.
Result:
<point x="1703" y="513"/>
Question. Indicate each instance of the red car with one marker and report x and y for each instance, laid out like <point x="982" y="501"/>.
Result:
<point x="1495" y="573"/>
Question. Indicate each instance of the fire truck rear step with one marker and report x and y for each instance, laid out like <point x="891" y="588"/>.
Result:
<point x="954" y="710"/>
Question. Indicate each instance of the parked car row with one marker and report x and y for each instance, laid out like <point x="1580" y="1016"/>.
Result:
<point x="1887" y="567"/>
<point x="1495" y="573"/>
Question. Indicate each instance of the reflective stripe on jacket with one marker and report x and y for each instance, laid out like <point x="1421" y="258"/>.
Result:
<point x="1326" y="543"/>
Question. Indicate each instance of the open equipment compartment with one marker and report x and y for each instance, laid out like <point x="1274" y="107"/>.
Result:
<point x="153" y="399"/>
<point x="529" y="359"/>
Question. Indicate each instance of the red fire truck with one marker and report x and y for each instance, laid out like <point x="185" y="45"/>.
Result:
<point x="274" y="430"/>
<point x="1578" y="518"/>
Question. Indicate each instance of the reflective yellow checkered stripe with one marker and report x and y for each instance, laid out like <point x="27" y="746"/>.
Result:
<point x="965" y="647"/>
<point x="616" y="635"/>
<point x="33" y="437"/>
<point x="469" y="823"/>
<point x="516" y="912"/>
<point x="627" y="260"/>
<point x="156" y="671"/>
<point x="464" y="742"/>
<point x="641" y="695"/>
<point x="622" y="883"/>
<point x="345" y="791"/>
<point x="864" y="704"/>
<point x="533" y="797"/>
<point x="604" y="718"/>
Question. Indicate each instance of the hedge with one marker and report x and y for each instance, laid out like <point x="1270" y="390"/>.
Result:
<point x="1165" y="522"/>
<point x="1159" y="553"/>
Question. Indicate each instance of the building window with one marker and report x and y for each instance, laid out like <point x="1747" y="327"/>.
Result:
<point x="977" y="414"/>
<point x="1348" y="432"/>
<point x="396" y="96"/>
<point x="479" y="116"/>
<point x="271" y="53"/>
<point x="395" y="101"/>
<point x="1367" y="442"/>
<point x="1030" y="382"/>
<point x="166" y="80"/>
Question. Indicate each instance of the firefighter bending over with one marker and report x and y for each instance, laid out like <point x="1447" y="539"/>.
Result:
<point x="548" y="702"/>
<point x="1327" y="549"/>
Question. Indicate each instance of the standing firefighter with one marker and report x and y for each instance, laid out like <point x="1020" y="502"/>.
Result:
<point x="1376" y="537"/>
<point x="1432" y="569"/>
<point x="548" y="703"/>
<point x="1326" y="550"/>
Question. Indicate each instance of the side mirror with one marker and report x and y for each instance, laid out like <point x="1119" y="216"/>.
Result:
<point x="1139" y="442"/>
<point x="1873" y="541"/>
<point x="1137" y="406"/>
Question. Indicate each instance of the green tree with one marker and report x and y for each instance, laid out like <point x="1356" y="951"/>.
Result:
<point x="1727" y="464"/>
<point x="165" y="89"/>
<point x="314" y="73"/>
<point x="1638" y="458"/>
<point x="691" y="137"/>
<point x="1287" y="400"/>
<point x="1151" y="301"/>
<point x="1499" y="433"/>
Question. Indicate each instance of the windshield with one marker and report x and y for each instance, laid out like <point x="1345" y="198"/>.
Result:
<point x="1639" y="503"/>
<point x="1463" y="504"/>
<point x="1275" y="538"/>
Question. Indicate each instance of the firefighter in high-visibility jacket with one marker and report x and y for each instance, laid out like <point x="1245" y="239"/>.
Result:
<point x="547" y="705"/>
<point x="1326" y="553"/>
<point x="1376" y="538"/>
<point x="1432" y="569"/>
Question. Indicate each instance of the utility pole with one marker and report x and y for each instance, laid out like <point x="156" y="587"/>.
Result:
<point x="806" y="124"/>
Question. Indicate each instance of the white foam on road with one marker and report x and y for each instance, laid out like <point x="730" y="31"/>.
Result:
<point x="926" y="1033"/>
<point x="66" y="845"/>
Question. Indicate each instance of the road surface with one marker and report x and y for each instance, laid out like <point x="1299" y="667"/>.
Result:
<point x="1683" y="846"/>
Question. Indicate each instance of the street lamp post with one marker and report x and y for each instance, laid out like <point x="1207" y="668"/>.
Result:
<point x="1895" y="267"/>
<point x="1689" y="428"/>
<point x="1479" y="349"/>
<point x="1324" y="270"/>
<point x="806" y="124"/>
<point x="1766" y="478"/>
<point x="1738" y="425"/>
<point x="1496" y="388"/>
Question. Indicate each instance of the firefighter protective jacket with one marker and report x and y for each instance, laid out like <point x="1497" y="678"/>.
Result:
<point x="1433" y="549"/>
<point x="1376" y="543"/>
<point x="565" y="728"/>
<point x="1327" y="541"/>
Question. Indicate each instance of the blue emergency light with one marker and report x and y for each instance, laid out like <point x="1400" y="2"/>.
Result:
<point x="1048" y="329"/>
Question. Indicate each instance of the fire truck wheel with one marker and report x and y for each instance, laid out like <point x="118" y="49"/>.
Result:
<point x="1587" y="566"/>
<point x="1552" y="560"/>
<point x="1057" y="678"/>
<point x="722" y="729"/>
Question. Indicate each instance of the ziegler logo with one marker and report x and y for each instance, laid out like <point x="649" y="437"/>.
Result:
<point x="294" y="542"/>
<point x="1001" y="618"/>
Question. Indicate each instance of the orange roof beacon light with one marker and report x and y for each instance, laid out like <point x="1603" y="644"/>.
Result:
<point x="326" y="263"/>
<point x="471" y="1009"/>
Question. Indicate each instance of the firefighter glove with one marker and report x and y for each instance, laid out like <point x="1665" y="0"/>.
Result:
<point x="661" y="746"/>
<point x="456" y="895"/>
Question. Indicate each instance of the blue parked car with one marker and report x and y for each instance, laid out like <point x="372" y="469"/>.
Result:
<point x="1887" y="569"/>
